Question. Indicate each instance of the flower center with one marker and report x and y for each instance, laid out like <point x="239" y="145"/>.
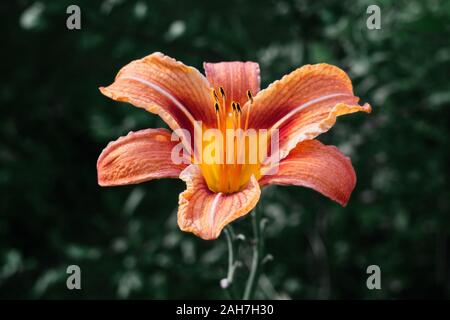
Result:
<point x="234" y="149"/>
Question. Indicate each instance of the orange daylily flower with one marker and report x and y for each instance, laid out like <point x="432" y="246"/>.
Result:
<point x="302" y="105"/>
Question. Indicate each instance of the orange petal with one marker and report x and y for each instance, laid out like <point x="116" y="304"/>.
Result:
<point x="140" y="156"/>
<point x="304" y="104"/>
<point x="314" y="165"/>
<point x="235" y="77"/>
<point x="206" y="213"/>
<point x="162" y="85"/>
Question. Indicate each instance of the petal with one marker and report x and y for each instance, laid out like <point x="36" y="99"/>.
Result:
<point x="140" y="156"/>
<point x="304" y="104"/>
<point x="162" y="85"/>
<point x="235" y="77"/>
<point x="314" y="165"/>
<point x="206" y="213"/>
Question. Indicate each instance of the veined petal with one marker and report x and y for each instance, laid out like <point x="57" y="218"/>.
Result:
<point x="314" y="165"/>
<point x="140" y="156"/>
<point x="162" y="85"/>
<point x="235" y="77"/>
<point x="304" y="104"/>
<point x="206" y="213"/>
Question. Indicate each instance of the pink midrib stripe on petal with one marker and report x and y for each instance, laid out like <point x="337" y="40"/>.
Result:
<point x="306" y="105"/>
<point x="212" y="211"/>
<point x="164" y="93"/>
<point x="168" y="95"/>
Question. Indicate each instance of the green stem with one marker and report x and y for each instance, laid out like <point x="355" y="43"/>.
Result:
<point x="231" y="267"/>
<point x="256" y="258"/>
<point x="231" y="263"/>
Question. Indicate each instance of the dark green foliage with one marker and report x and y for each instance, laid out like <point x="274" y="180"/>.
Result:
<point x="55" y="122"/>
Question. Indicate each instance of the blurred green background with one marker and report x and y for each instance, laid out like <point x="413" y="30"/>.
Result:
<point x="55" y="122"/>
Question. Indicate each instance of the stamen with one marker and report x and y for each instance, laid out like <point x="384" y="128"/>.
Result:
<point x="216" y="107"/>
<point x="233" y="114"/>
<point x="241" y="145"/>
<point x="216" y="97"/>
<point x="222" y="92"/>
<point x="239" y="111"/>
<point x="250" y="98"/>
<point x="224" y="104"/>
<point x="238" y="107"/>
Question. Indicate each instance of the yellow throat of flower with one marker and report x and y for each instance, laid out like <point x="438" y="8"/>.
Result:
<point x="233" y="164"/>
